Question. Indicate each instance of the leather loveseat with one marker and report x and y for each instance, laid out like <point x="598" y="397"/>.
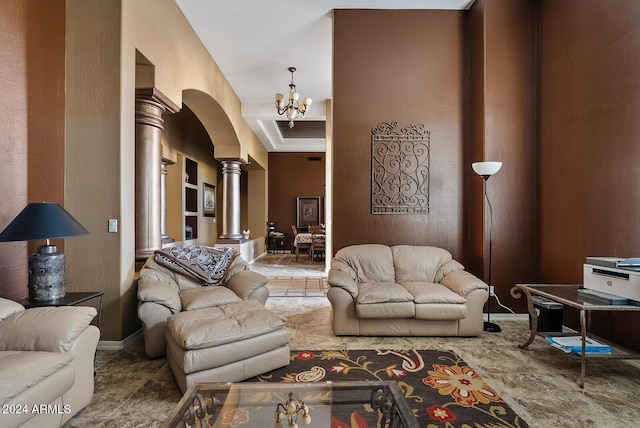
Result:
<point x="404" y="290"/>
<point x="46" y="363"/>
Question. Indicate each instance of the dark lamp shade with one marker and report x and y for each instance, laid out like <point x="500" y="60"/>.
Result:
<point x="42" y="220"/>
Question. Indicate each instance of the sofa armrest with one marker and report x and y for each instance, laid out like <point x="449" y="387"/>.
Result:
<point x="246" y="283"/>
<point x="8" y="307"/>
<point x="341" y="279"/>
<point x="462" y="282"/>
<point x="154" y="291"/>
<point x="52" y="329"/>
<point x="446" y="268"/>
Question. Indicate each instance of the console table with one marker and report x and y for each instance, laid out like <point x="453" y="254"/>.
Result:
<point x="567" y="294"/>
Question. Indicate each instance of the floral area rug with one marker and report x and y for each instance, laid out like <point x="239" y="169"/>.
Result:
<point x="439" y="387"/>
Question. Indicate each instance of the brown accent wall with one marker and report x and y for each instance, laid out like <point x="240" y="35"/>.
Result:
<point x="474" y="207"/>
<point x="589" y="105"/>
<point x="292" y="175"/>
<point x="405" y="66"/>
<point x="46" y="100"/>
<point x="32" y="78"/>
<point x="502" y="102"/>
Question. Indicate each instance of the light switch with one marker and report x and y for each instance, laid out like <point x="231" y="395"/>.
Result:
<point x="113" y="225"/>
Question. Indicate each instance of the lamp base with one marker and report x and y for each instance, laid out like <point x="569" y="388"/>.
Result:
<point x="46" y="275"/>
<point x="490" y="327"/>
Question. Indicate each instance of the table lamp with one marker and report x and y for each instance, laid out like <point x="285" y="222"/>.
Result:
<point x="486" y="170"/>
<point x="44" y="220"/>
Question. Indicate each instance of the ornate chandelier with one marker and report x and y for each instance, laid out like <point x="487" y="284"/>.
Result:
<point x="293" y="109"/>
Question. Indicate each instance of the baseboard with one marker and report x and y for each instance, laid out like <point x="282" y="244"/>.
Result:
<point x="508" y="317"/>
<point x="114" y="345"/>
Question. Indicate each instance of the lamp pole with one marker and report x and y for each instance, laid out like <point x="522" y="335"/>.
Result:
<point x="486" y="170"/>
<point x="488" y="325"/>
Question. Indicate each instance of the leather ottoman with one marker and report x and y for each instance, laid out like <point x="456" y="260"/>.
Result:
<point x="226" y="343"/>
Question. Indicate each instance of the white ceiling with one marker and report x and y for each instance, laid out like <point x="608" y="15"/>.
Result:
<point x="254" y="42"/>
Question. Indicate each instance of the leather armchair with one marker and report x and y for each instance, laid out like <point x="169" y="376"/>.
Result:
<point x="163" y="292"/>
<point x="46" y="361"/>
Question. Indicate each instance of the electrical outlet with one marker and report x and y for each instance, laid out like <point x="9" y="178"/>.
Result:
<point x="491" y="293"/>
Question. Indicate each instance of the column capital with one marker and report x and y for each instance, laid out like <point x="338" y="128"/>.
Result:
<point x="152" y="94"/>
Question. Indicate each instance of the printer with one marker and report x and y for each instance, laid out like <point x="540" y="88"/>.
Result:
<point x="610" y="280"/>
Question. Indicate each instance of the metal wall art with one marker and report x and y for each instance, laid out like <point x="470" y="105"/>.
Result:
<point x="399" y="169"/>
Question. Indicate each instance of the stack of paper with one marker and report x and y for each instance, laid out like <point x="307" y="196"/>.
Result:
<point x="573" y="344"/>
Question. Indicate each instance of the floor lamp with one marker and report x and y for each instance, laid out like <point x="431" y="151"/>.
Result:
<point x="486" y="170"/>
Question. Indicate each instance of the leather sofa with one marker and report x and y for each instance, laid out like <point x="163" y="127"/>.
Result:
<point x="163" y="292"/>
<point x="403" y="290"/>
<point x="46" y="363"/>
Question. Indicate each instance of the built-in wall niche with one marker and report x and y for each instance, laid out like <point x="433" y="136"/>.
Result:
<point x="190" y="199"/>
<point x="190" y="171"/>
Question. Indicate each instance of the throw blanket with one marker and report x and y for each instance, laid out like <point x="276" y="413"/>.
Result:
<point x="208" y="264"/>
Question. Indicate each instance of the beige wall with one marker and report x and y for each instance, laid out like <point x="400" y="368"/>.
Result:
<point x="185" y="137"/>
<point x="102" y="41"/>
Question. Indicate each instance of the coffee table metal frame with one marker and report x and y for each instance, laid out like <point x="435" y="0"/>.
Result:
<point x="385" y="396"/>
<point x="567" y="294"/>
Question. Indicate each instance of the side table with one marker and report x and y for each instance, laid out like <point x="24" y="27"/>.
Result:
<point x="567" y="294"/>
<point x="70" y="299"/>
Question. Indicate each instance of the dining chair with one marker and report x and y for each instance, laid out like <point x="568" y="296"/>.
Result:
<point x="298" y="244"/>
<point x="316" y="230"/>
<point x="317" y="246"/>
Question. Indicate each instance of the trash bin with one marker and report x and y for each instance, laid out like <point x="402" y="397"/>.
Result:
<point x="549" y="314"/>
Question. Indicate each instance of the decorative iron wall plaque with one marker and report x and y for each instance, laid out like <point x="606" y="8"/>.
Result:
<point x="399" y="169"/>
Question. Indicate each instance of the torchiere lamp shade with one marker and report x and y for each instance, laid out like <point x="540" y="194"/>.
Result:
<point x="44" y="220"/>
<point x="486" y="169"/>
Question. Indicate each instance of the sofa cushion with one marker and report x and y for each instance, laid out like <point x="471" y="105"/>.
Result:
<point x="386" y="310"/>
<point x="52" y="329"/>
<point x="21" y="370"/>
<point x="370" y="262"/>
<point x="162" y="293"/>
<point x="195" y="360"/>
<point x="440" y="311"/>
<point x="206" y="297"/>
<point x="382" y="292"/>
<point x="418" y="263"/>
<point x="428" y="292"/>
<point x="204" y="328"/>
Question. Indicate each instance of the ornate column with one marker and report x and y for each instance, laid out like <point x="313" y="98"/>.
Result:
<point x="150" y="105"/>
<point x="163" y="201"/>
<point x="231" y="201"/>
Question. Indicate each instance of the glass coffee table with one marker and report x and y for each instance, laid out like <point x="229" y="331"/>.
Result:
<point x="568" y="295"/>
<point x="314" y="404"/>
